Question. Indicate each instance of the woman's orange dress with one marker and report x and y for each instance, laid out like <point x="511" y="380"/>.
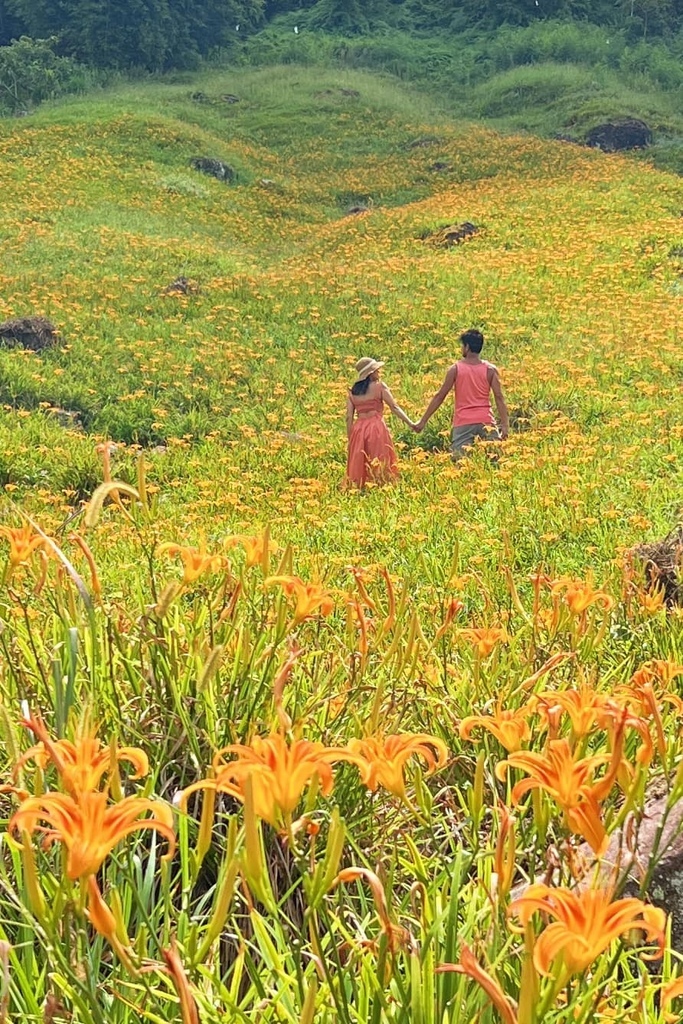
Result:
<point x="372" y="456"/>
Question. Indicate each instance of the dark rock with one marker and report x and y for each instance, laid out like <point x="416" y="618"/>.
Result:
<point x="182" y="286"/>
<point x="649" y="852"/>
<point x="663" y="565"/>
<point x="520" y="419"/>
<point x="336" y="93"/>
<point x="70" y="419"/>
<point x="451" y="234"/>
<point x="213" y="168"/>
<point x="32" y="332"/>
<point x="200" y="97"/>
<point x="229" y="98"/>
<point x="644" y="856"/>
<point x="357" y="208"/>
<point x="439" y="165"/>
<point x="626" y="133"/>
<point x="424" y="141"/>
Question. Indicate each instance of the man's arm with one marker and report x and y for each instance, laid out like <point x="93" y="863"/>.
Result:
<point x="439" y="397"/>
<point x="349" y="416"/>
<point x="501" y="405"/>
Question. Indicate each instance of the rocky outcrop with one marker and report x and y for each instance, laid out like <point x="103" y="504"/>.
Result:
<point x="625" y="133"/>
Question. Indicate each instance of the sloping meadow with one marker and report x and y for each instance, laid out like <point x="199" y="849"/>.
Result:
<point x="281" y="751"/>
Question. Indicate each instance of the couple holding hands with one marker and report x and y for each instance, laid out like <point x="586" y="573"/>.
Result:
<point x="472" y="380"/>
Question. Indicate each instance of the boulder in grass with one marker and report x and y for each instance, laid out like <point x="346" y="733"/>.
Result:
<point x="182" y="286"/>
<point x="625" y="133"/>
<point x="31" y="332"/>
<point x="655" y="838"/>
<point x="452" y="234"/>
<point x="424" y="141"/>
<point x="644" y="856"/>
<point x="213" y="168"/>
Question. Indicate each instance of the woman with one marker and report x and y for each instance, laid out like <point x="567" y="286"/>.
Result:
<point x="371" y="451"/>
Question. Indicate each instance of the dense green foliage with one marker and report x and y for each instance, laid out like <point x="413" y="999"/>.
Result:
<point x="157" y="34"/>
<point x="150" y="34"/>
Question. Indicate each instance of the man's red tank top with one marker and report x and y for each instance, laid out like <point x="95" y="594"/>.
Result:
<point x="471" y="391"/>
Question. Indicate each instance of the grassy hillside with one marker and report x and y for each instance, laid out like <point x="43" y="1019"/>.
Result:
<point x="548" y="78"/>
<point x="575" y="278"/>
<point x="228" y="588"/>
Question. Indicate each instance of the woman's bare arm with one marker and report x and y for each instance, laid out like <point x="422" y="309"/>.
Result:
<point x="350" y="411"/>
<point x="395" y="407"/>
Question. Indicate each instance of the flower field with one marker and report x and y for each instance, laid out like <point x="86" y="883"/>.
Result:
<point x="275" y="751"/>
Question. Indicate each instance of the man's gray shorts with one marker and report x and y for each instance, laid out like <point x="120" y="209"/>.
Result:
<point x="464" y="437"/>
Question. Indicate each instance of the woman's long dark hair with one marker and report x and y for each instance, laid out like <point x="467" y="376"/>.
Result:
<point x="361" y="386"/>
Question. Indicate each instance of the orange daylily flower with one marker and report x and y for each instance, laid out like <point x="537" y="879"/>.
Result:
<point x="105" y="449"/>
<point x="587" y="708"/>
<point x="195" y="561"/>
<point x="81" y="764"/>
<point x="485" y="639"/>
<point x="470" y="966"/>
<point x="174" y="965"/>
<point x="23" y="544"/>
<point x="397" y="937"/>
<point x="254" y="547"/>
<point x="672" y="990"/>
<point x="453" y="608"/>
<point x="511" y="728"/>
<point x="567" y="780"/>
<point x="643" y="692"/>
<point x="104" y="922"/>
<point x="583" y="706"/>
<point x="652" y="601"/>
<point x="585" y="924"/>
<point x="579" y="595"/>
<point x="504" y="855"/>
<point x="310" y="598"/>
<point x="279" y="772"/>
<point x="91" y="827"/>
<point x="381" y="759"/>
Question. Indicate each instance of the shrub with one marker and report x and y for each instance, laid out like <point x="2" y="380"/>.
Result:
<point x="30" y="72"/>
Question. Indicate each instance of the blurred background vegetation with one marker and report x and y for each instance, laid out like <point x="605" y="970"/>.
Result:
<point x="550" y="67"/>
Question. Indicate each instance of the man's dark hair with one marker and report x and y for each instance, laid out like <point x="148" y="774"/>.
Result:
<point x="474" y="340"/>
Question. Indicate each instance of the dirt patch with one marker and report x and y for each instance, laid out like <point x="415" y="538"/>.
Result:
<point x="663" y="565"/>
<point x="449" y="235"/>
<point x="31" y="332"/>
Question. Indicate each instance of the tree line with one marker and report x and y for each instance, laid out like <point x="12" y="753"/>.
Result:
<point x="160" y="34"/>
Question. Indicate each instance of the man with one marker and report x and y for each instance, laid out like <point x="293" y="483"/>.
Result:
<point x="471" y="380"/>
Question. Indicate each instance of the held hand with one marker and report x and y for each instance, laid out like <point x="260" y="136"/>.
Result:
<point x="415" y="427"/>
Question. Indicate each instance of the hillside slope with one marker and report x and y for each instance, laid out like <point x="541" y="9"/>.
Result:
<point x="237" y="391"/>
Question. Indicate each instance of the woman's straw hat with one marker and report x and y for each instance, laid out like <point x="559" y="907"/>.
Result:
<point x="366" y="366"/>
